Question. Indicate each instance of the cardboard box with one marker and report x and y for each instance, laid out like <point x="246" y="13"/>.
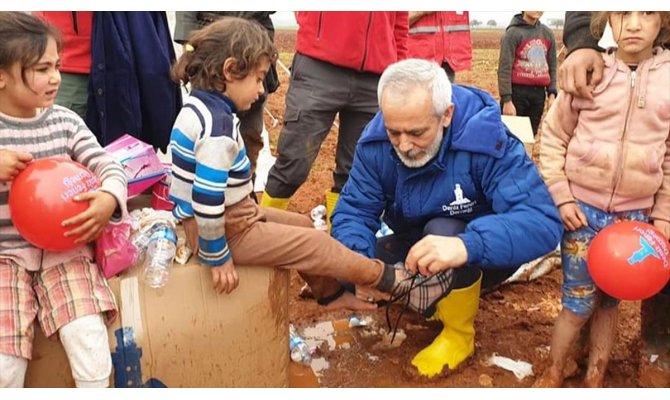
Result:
<point x="522" y="129"/>
<point x="187" y="335"/>
<point x="140" y="163"/>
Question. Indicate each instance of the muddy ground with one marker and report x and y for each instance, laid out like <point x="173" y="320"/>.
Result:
<point x="515" y="321"/>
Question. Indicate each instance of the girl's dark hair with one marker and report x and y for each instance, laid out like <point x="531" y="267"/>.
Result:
<point x="23" y="40"/>
<point x="208" y="48"/>
<point x="599" y="20"/>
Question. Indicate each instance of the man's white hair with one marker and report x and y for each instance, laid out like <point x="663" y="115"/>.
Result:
<point x="413" y="72"/>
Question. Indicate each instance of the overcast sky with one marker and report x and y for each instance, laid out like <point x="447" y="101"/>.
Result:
<point x="285" y="18"/>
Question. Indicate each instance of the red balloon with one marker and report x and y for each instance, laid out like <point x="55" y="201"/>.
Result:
<point x="40" y="199"/>
<point x="629" y="260"/>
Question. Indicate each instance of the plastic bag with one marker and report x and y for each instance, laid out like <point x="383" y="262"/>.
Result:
<point x="115" y="251"/>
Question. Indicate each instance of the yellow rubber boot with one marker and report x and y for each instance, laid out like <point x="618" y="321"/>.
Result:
<point x="456" y="342"/>
<point x="331" y="202"/>
<point x="271" y="202"/>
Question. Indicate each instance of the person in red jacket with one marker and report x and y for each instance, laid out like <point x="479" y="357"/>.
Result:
<point x="75" y="28"/>
<point x="339" y="59"/>
<point x="441" y="36"/>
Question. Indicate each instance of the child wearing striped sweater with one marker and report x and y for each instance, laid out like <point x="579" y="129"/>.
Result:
<point x="225" y="63"/>
<point x="65" y="291"/>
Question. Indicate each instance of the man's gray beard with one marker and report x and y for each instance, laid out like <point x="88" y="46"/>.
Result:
<point x="429" y="154"/>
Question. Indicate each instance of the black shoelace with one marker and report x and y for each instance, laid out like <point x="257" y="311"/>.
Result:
<point x="395" y="297"/>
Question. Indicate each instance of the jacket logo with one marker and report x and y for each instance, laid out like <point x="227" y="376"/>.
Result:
<point x="462" y="205"/>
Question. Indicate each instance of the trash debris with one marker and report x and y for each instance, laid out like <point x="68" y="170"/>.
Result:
<point x="415" y="327"/>
<point x="536" y="268"/>
<point x="400" y="337"/>
<point x="320" y="333"/>
<point x="520" y="369"/>
<point x="485" y="381"/>
<point x="355" y="322"/>
<point x="318" y="215"/>
<point x="653" y="358"/>
<point x="305" y="292"/>
<point x="319" y="365"/>
<point x="299" y="350"/>
<point x="184" y="251"/>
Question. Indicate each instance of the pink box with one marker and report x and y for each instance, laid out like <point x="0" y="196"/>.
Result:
<point x="139" y="161"/>
<point x="161" y="191"/>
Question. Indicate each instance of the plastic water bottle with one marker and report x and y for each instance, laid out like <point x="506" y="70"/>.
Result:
<point x="160" y="256"/>
<point x="299" y="350"/>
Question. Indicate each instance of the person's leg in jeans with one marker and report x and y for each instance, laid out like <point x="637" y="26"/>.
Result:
<point x="529" y="102"/>
<point x="536" y="107"/>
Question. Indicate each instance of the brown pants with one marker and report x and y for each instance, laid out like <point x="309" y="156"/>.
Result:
<point x="271" y="237"/>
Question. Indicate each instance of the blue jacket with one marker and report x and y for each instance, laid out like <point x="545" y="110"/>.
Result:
<point x="130" y="89"/>
<point x="481" y="175"/>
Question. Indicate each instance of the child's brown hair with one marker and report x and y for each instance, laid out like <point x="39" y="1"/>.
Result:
<point x="23" y="40"/>
<point x="208" y="48"/>
<point x="599" y="20"/>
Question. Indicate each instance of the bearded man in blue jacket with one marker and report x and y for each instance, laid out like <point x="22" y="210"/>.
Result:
<point x="466" y="204"/>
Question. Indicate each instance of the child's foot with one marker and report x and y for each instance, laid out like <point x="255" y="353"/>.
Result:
<point x="350" y="302"/>
<point x="548" y="380"/>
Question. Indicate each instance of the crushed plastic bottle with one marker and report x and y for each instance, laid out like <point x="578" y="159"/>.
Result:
<point x="160" y="253"/>
<point x="318" y="215"/>
<point x="300" y="352"/>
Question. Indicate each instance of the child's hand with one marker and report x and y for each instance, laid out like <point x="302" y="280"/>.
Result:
<point x="191" y="232"/>
<point x="225" y="277"/>
<point x="100" y="209"/>
<point x="12" y="162"/>
<point x="508" y="108"/>
<point x="663" y="226"/>
<point x="572" y="216"/>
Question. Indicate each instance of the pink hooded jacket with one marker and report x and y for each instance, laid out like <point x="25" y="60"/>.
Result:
<point x="612" y="152"/>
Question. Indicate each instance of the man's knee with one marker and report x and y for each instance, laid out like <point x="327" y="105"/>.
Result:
<point x="87" y="349"/>
<point x="12" y="371"/>
<point x="444" y="227"/>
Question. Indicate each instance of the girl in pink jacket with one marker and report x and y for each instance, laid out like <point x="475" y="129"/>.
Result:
<point x="604" y="160"/>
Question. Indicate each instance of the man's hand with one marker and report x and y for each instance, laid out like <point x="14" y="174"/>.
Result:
<point x="573" y="74"/>
<point x="572" y="216"/>
<point x="92" y="221"/>
<point x="12" y="162"/>
<point x="663" y="226"/>
<point x="433" y="254"/>
<point x="225" y="277"/>
<point x="508" y="108"/>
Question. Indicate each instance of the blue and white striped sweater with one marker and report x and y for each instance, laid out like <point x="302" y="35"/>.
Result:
<point x="210" y="169"/>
